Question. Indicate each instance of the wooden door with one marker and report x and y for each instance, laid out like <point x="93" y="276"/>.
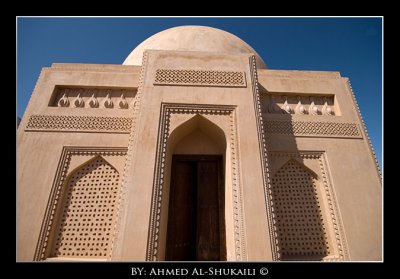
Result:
<point x="182" y="212"/>
<point x="196" y="225"/>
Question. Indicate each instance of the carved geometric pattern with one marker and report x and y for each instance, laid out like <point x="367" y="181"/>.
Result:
<point x="300" y="226"/>
<point x="79" y="123"/>
<point x="303" y="181"/>
<point x="88" y="213"/>
<point x="167" y="111"/>
<point x="305" y="128"/>
<point x="200" y="78"/>
<point x="43" y="250"/>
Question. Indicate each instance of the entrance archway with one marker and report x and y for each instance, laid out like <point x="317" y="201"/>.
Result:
<point x="196" y="215"/>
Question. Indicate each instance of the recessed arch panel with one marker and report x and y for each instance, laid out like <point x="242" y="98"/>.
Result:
<point x="301" y="230"/>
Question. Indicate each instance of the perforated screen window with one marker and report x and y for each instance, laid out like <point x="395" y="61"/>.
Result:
<point x="300" y="228"/>
<point x="88" y="213"/>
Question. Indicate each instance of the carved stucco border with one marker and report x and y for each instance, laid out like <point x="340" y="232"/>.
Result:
<point x="58" y="185"/>
<point x="263" y="155"/>
<point x="77" y="124"/>
<point x="371" y="148"/>
<point x="207" y="78"/>
<point x="312" y="128"/>
<point x="166" y="111"/>
<point x="132" y="142"/>
<point x="329" y="192"/>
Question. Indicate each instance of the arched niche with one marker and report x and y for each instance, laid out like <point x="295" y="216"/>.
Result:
<point x="86" y="213"/>
<point x="197" y="137"/>
<point x="300" y="214"/>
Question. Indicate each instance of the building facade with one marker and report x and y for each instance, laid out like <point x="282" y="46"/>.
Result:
<point x="194" y="150"/>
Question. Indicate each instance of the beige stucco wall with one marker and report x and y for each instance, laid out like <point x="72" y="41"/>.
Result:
<point x="38" y="152"/>
<point x="142" y="172"/>
<point x="352" y="167"/>
<point x="352" y="170"/>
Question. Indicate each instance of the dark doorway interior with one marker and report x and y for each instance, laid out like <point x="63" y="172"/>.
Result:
<point x="196" y="224"/>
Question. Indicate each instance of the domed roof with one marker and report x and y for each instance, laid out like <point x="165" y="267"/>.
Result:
<point x="193" y="38"/>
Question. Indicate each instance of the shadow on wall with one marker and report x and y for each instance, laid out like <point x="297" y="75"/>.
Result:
<point x="299" y="227"/>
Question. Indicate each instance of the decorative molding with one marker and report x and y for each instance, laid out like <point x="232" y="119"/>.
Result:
<point x="88" y="97"/>
<point x="132" y="142"/>
<point x="364" y="127"/>
<point x="299" y="109"/>
<point x="166" y="111"/>
<point x="263" y="155"/>
<point x="64" y="101"/>
<point x="108" y="103"/>
<point x="333" y="210"/>
<point x="66" y="123"/>
<point x="93" y="102"/>
<point x="200" y="78"/>
<point x="289" y="103"/>
<point x="59" y="182"/>
<point x="314" y="129"/>
<point x="123" y="104"/>
<point x="79" y="102"/>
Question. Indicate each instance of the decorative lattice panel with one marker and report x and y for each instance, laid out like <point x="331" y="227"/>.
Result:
<point x="79" y="123"/>
<point x="88" y="212"/>
<point x="200" y="78"/>
<point x="298" y="218"/>
<point x="309" y="128"/>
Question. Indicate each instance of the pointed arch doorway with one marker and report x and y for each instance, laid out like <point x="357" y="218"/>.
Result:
<point x="196" y="215"/>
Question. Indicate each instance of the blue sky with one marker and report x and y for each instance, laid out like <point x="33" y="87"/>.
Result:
<point x="352" y="46"/>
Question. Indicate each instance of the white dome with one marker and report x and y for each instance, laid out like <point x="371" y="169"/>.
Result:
<point x="193" y="38"/>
